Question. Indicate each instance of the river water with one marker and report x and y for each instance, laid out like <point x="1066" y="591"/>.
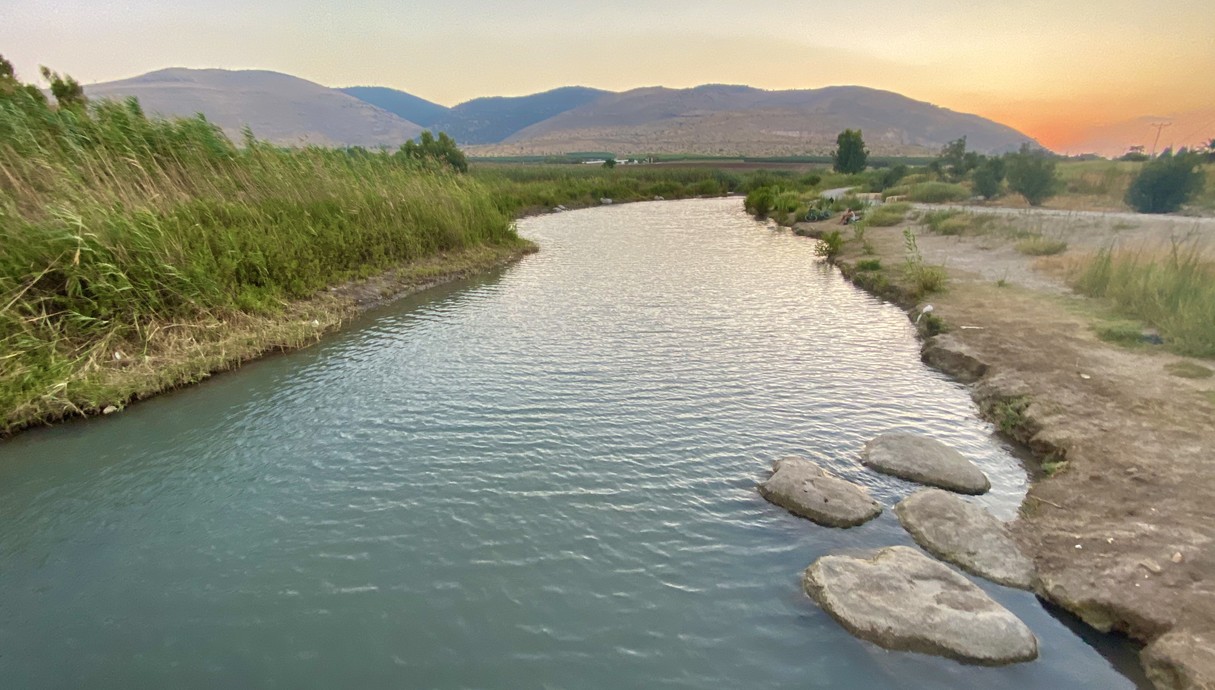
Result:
<point x="542" y="478"/>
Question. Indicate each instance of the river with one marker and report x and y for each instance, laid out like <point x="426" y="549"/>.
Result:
<point x="540" y="478"/>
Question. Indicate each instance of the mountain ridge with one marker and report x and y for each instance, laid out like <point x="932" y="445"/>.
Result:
<point x="711" y="119"/>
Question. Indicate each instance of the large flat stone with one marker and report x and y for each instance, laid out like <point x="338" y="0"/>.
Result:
<point x="924" y="460"/>
<point x="900" y="599"/>
<point x="960" y="532"/>
<point x="950" y="355"/>
<point x="806" y="489"/>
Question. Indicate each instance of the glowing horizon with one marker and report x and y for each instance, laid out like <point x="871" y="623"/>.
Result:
<point x="1024" y="63"/>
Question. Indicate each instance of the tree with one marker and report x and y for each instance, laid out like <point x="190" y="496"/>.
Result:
<point x="850" y="154"/>
<point x="1031" y="173"/>
<point x="442" y="150"/>
<point x="610" y="162"/>
<point x="956" y="161"/>
<point x="1165" y="184"/>
<point x="66" y="90"/>
<point x="1210" y="151"/>
<point x="6" y="69"/>
<point x="989" y="177"/>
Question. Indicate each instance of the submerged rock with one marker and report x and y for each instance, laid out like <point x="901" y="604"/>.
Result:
<point x="900" y="599"/>
<point x="950" y="355"/>
<point x="924" y="460"/>
<point x="955" y="530"/>
<point x="803" y="488"/>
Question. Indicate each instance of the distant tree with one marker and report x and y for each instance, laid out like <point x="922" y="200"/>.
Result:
<point x="1031" y="173"/>
<point x="66" y="90"/>
<point x="442" y="150"/>
<point x="610" y="162"/>
<point x="1165" y="184"/>
<point x="850" y="155"/>
<point x="989" y="178"/>
<point x="955" y="161"/>
<point x="1210" y="151"/>
<point x="6" y="69"/>
<point x="1134" y="154"/>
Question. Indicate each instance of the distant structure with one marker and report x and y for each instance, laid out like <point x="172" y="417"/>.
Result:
<point x="1159" y="128"/>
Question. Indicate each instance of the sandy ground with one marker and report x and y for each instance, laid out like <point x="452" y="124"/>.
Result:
<point x="1123" y="532"/>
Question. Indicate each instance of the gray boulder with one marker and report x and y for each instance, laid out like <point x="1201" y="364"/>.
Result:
<point x="924" y="460"/>
<point x="900" y="599"/>
<point x="955" y="530"/>
<point x="803" y="488"/>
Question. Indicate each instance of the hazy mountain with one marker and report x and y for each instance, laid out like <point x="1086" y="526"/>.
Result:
<point x="1191" y="129"/>
<point x="401" y="104"/>
<point x="490" y="120"/>
<point x="712" y="119"/>
<point x="740" y="120"/>
<point x="278" y="107"/>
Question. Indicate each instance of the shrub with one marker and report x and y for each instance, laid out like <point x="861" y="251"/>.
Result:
<point x="760" y="202"/>
<point x="937" y="192"/>
<point x="888" y="215"/>
<point x="1037" y="245"/>
<point x="924" y="279"/>
<point x="989" y="178"/>
<point x="442" y="150"/>
<point x="1031" y="173"/>
<point x="1166" y="184"/>
<point x="830" y="245"/>
<point x="881" y="180"/>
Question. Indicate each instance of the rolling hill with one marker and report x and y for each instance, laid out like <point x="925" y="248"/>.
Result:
<point x="404" y="105"/>
<point x="739" y="120"/>
<point x="708" y="120"/>
<point x="277" y="107"/>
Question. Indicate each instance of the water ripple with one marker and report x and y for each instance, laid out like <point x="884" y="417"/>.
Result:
<point x="543" y="478"/>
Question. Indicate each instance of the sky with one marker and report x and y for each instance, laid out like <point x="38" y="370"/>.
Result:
<point x="1058" y="70"/>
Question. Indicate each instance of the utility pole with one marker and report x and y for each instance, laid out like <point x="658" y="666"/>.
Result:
<point x="1159" y="128"/>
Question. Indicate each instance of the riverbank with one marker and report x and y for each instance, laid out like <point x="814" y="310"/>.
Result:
<point x="1120" y="518"/>
<point x="186" y="353"/>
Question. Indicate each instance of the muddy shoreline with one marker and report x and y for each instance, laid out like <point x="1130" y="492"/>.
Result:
<point x="1121" y="521"/>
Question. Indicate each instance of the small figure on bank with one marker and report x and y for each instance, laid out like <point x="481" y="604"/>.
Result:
<point x="848" y="217"/>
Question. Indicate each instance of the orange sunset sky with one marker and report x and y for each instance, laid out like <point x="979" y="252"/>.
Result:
<point x="1062" y="72"/>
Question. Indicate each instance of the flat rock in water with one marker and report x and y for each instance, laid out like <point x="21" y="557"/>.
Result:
<point x="923" y="460"/>
<point x="803" y="488"/>
<point x="955" y="530"/>
<point x="900" y="599"/>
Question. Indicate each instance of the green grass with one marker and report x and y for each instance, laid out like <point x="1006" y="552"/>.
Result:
<point x="1173" y="292"/>
<point x="121" y="232"/>
<point x="1127" y="333"/>
<point x="869" y="265"/>
<point x="1037" y="245"/>
<point x="887" y="215"/>
<point x="954" y="223"/>
<point x="937" y="192"/>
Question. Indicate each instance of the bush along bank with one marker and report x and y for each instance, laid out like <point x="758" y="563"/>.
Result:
<point x="142" y="253"/>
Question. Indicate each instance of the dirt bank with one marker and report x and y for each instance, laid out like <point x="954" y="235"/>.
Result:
<point x="1121" y="520"/>
<point x="177" y="355"/>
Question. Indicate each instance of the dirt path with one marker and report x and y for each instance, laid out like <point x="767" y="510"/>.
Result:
<point x="1123" y="531"/>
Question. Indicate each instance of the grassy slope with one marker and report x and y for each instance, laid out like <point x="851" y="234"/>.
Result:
<point x="141" y="245"/>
